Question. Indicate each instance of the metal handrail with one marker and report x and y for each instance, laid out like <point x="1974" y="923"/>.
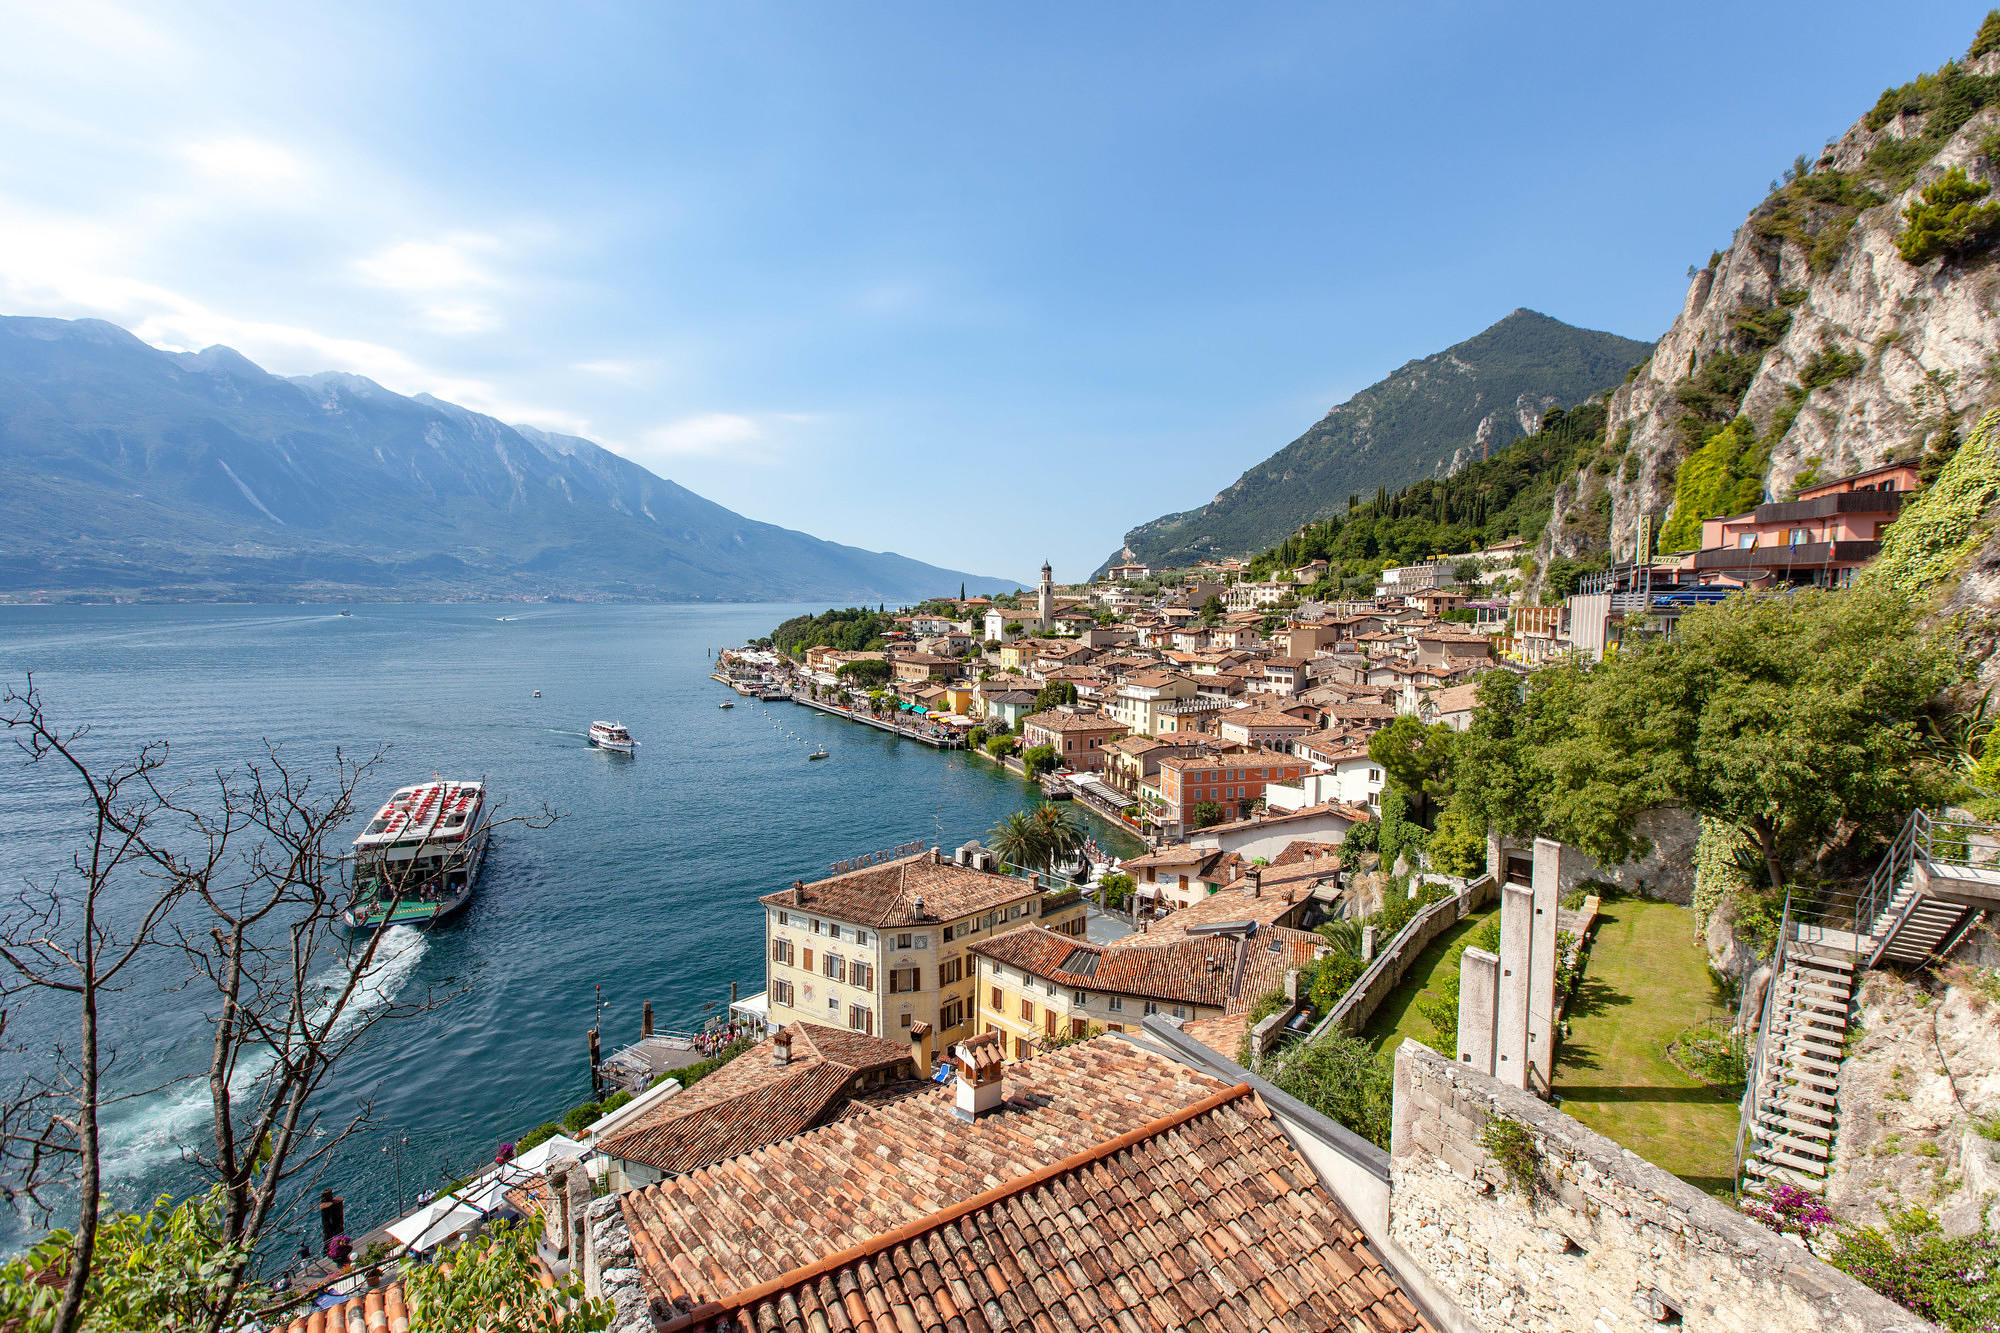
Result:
<point x="1753" y="1086"/>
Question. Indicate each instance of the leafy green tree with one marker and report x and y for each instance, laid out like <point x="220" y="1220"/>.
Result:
<point x="1339" y="1076"/>
<point x="1000" y="746"/>
<point x="976" y="738"/>
<point x="1949" y="220"/>
<point x="1415" y="757"/>
<point x="1061" y="837"/>
<point x="1457" y="846"/>
<point x="163" y="1269"/>
<point x="1040" y="759"/>
<point x="1466" y="573"/>
<point x="867" y="672"/>
<point x="1206" y="814"/>
<point x="1116" y="889"/>
<point x="1054" y="695"/>
<point x="493" y="1283"/>
<point x="1793" y="717"/>
<point x="1212" y="610"/>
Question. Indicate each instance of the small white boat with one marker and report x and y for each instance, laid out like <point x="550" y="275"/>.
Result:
<point x="538" y="694"/>
<point x="612" y="736"/>
<point x="727" y="703"/>
<point x="817" y="754"/>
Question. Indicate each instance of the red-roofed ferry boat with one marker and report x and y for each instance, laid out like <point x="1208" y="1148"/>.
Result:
<point x="418" y="859"/>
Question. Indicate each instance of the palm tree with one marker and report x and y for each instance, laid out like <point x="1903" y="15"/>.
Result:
<point x="1344" y="934"/>
<point x="1060" y="836"/>
<point x="1017" y="840"/>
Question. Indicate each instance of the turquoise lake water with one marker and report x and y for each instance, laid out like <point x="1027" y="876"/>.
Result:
<point x="646" y="886"/>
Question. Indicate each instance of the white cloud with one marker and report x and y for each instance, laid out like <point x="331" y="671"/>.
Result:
<point x="255" y="166"/>
<point x="623" y="372"/>
<point x="431" y="266"/>
<point x="709" y="435"/>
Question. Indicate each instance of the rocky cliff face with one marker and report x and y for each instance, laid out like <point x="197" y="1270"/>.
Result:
<point x="1841" y="353"/>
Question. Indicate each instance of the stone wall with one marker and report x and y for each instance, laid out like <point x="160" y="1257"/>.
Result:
<point x="1667" y="872"/>
<point x="1353" y="1010"/>
<point x="1607" y="1243"/>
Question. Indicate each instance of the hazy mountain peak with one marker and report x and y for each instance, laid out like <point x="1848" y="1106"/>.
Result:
<point x="128" y="474"/>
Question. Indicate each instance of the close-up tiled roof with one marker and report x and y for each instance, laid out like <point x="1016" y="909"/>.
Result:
<point x="752" y="1100"/>
<point x="887" y="894"/>
<point x="1215" y="971"/>
<point x="1113" y="1189"/>
<point x="378" y="1311"/>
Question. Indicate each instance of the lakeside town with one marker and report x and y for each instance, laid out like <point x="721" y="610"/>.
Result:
<point x="1525" y="855"/>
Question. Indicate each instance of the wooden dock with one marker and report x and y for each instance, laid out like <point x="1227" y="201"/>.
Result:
<point x="935" y="742"/>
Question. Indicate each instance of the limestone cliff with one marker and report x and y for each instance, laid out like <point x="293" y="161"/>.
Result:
<point x="1837" y="352"/>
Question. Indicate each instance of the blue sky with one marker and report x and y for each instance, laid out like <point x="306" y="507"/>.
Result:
<point x="975" y="283"/>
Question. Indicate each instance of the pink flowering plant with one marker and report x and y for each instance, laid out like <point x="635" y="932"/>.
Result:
<point x="1789" y="1208"/>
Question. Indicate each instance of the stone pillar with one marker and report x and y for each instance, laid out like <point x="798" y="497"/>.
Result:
<point x="1542" y="967"/>
<point x="1368" y="944"/>
<point x="1478" y="1000"/>
<point x="1510" y="1024"/>
<point x="1496" y="855"/>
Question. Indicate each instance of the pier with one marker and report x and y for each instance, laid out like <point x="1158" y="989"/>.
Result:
<point x="935" y="742"/>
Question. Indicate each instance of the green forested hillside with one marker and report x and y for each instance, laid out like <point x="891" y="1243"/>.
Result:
<point x="1412" y="424"/>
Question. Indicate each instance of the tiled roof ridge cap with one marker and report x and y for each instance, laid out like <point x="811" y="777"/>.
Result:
<point x="909" y="1231"/>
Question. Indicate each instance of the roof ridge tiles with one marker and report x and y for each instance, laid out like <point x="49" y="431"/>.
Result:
<point x="882" y="1242"/>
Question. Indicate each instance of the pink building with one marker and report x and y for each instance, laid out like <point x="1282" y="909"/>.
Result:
<point x="1820" y="538"/>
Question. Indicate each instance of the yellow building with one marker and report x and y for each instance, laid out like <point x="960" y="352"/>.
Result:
<point x="1036" y="986"/>
<point x="879" y="948"/>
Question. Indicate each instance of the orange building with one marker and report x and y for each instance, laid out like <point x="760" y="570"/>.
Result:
<point x="1231" y="780"/>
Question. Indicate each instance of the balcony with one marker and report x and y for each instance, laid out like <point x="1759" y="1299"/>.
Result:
<point x="1774" y="558"/>
<point x="1825" y="506"/>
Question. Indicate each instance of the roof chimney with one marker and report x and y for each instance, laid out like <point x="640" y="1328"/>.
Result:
<point x="920" y="1047"/>
<point x="978" y="1063"/>
<point x="798" y="893"/>
<point x="781" y="1047"/>
<point x="1256" y="874"/>
<point x="917" y="907"/>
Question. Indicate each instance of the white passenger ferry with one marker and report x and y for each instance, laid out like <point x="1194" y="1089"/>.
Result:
<point x="612" y="736"/>
<point x="419" y="857"/>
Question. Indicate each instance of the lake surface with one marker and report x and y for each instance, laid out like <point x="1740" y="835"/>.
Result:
<point x="646" y="886"/>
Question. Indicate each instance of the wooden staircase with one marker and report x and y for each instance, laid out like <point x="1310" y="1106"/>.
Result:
<point x="1937" y="880"/>
<point x="1797" y="1082"/>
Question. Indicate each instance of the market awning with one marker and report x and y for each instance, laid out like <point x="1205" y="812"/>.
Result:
<point x="919" y="708"/>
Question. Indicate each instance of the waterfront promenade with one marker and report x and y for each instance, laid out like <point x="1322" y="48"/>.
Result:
<point x="934" y="740"/>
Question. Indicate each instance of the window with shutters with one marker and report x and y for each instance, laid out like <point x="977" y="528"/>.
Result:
<point x="862" y="975"/>
<point x="1049" y="1022"/>
<point x="808" y="963"/>
<point x="1020" y="1048"/>
<point x="835" y="967"/>
<point x="1027" y="1009"/>
<point x="952" y="1014"/>
<point x="781" y="991"/>
<point x="999" y="1002"/>
<point x="861" y="1019"/>
<point x="904" y="979"/>
<point x="950" y="970"/>
<point x="903" y="941"/>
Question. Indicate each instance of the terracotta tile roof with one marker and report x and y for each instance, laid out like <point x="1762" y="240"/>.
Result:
<point x="1215" y="971"/>
<point x="1231" y="904"/>
<point x="1354" y="814"/>
<point x="1115" y="1191"/>
<point x="1457" y="699"/>
<point x="886" y="895"/>
<point x="1222" y="1034"/>
<point x="1305" y="849"/>
<point x="753" y="1101"/>
<point x="1063" y="722"/>
<point x="1260" y="717"/>
<point x="1173" y="854"/>
<point x="380" y="1311"/>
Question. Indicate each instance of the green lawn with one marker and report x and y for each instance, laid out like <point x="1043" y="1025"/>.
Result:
<point x="1397" y="1017"/>
<point x="1645" y="981"/>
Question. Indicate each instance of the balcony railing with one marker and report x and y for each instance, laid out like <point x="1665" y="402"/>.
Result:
<point x="1825" y="506"/>
<point x="1802" y="555"/>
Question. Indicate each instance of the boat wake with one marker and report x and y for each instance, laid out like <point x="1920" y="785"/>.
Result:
<point x="143" y="1135"/>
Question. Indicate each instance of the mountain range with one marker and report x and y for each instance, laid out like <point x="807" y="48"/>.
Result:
<point x="1425" y="418"/>
<point x="126" y="470"/>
